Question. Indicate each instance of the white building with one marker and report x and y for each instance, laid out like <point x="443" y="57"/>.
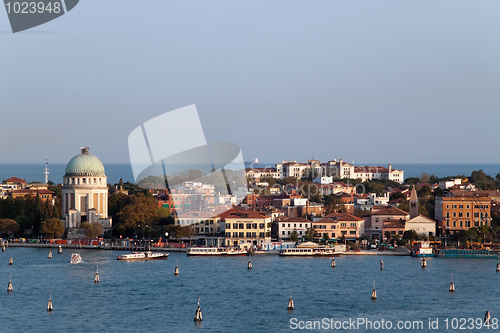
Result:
<point x="285" y="227"/>
<point x="84" y="194"/>
<point x="422" y="225"/>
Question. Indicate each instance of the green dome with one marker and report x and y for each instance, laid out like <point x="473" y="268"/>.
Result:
<point x="85" y="164"/>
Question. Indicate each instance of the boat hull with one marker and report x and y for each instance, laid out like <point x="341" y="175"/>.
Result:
<point x="156" y="257"/>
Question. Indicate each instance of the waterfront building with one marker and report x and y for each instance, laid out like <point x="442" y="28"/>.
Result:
<point x="461" y="213"/>
<point x="336" y="225"/>
<point x="245" y="228"/>
<point x="283" y="228"/>
<point x="374" y="223"/>
<point x="204" y="223"/>
<point x="84" y="194"/>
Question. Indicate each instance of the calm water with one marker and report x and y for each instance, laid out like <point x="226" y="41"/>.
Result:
<point x="115" y="171"/>
<point x="147" y="297"/>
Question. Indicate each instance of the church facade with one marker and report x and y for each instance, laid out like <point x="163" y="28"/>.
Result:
<point x="84" y="194"/>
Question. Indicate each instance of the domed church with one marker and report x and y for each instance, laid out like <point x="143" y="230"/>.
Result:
<point x="84" y="194"/>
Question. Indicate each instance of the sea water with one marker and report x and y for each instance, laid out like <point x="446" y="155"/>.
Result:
<point x="145" y="296"/>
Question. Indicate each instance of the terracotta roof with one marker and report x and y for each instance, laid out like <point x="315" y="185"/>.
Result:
<point x="296" y="219"/>
<point x="394" y="224"/>
<point x="14" y="180"/>
<point x="343" y="217"/>
<point x="326" y="221"/>
<point x="30" y="191"/>
<point x="195" y="214"/>
<point x="232" y="213"/>
<point x="388" y="210"/>
<point x="371" y="169"/>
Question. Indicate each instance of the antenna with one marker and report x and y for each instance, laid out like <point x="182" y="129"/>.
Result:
<point x="46" y="172"/>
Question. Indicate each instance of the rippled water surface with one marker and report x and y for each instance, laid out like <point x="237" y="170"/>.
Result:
<point x="147" y="297"/>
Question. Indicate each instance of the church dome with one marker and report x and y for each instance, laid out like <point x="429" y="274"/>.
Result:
<point x="85" y="164"/>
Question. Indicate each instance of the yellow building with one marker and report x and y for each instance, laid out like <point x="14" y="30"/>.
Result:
<point x="245" y="228"/>
<point x="461" y="213"/>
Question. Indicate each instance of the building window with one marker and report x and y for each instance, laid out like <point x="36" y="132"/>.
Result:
<point x="283" y="233"/>
<point x="249" y="225"/>
<point x="249" y="234"/>
<point x="235" y="235"/>
<point x="353" y="225"/>
<point x="254" y="225"/>
<point x="262" y="225"/>
<point x="283" y="225"/>
<point x="467" y="214"/>
<point x="454" y="214"/>
<point x="460" y="214"/>
<point x="461" y="224"/>
<point x="447" y="214"/>
<point x="454" y="223"/>
<point x="447" y="206"/>
<point x="261" y="234"/>
<point x="333" y="226"/>
<point x="241" y="234"/>
<point x="241" y="226"/>
<point x="352" y="232"/>
<point x="228" y="226"/>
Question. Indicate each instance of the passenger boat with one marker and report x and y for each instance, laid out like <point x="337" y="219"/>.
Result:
<point x="76" y="258"/>
<point x="309" y="252"/>
<point x="216" y="251"/>
<point x="461" y="253"/>
<point x="143" y="256"/>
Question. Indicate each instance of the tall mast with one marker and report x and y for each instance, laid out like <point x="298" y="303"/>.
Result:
<point x="46" y="173"/>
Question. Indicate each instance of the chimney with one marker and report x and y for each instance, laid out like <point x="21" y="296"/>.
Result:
<point x="390" y="168"/>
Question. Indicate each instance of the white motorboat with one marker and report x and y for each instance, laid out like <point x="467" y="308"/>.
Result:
<point x="76" y="258"/>
<point x="143" y="256"/>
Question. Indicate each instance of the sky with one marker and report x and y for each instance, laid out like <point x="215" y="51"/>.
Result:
<point x="365" y="81"/>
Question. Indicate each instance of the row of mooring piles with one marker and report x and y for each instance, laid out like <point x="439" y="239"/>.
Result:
<point x="424" y="262"/>
<point x="50" y="255"/>
<point x="60" y="250"/>
<point x="11" y="261"/>
<point x="381" y="265"/>
<point x="249" y="266"/>
<point x="176" y="272"/>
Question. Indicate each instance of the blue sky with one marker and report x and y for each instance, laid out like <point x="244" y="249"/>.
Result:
<point x="366" y="81"/>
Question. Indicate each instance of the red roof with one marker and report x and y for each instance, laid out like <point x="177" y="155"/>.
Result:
<point x="14" y="180"/>
<point x="388" y="210"/>
<point x="33" y="192"/>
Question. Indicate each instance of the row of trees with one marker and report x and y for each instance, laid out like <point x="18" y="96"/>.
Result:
<point x="29" y="212"/>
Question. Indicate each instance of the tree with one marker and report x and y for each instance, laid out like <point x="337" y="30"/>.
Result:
<point x="92" y="230"/>
<point x="425" y="177"/>
<point x="311" y="234"/>
<point x="142" y="210"/>
<point x="52" y="228"/>
<point x="333" y="204"/>
<point x="294" y="236"/>
<point x="46" y="214"/>
<point x="8" y="226"/>
<point x="55" y="212"/>
<point x="37" y="216"/>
